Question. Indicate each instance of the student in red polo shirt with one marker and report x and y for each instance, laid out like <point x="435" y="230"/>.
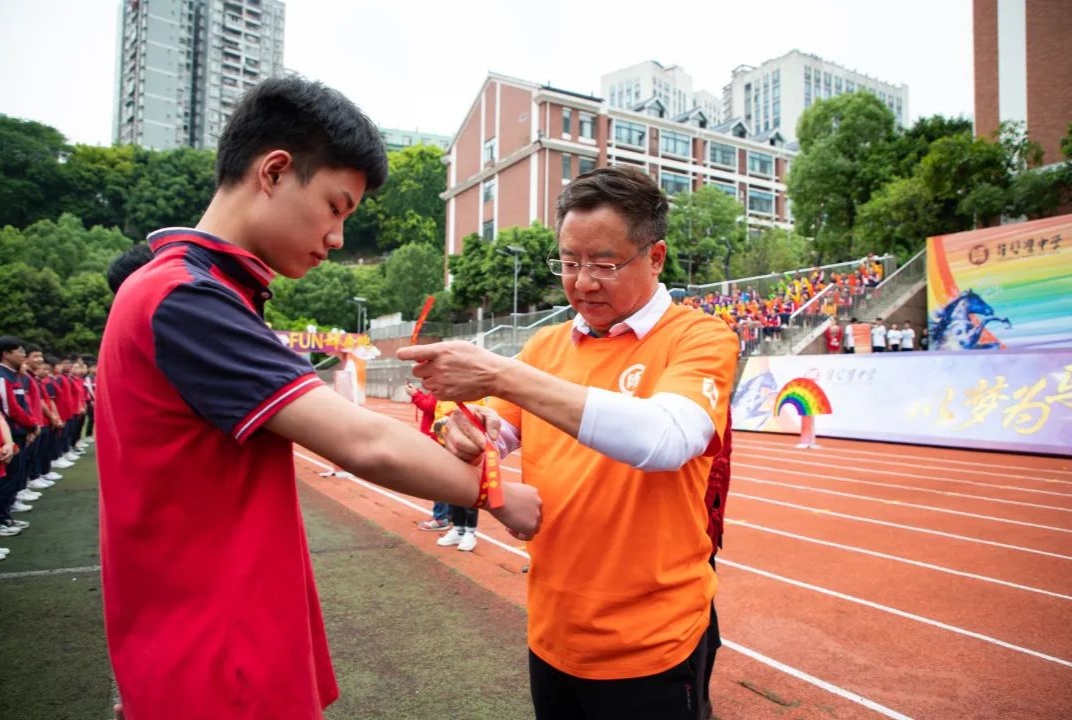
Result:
<point x="211" y="610"/>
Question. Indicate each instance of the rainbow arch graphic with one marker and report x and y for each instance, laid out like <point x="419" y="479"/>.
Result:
<point x="805" y="395"/>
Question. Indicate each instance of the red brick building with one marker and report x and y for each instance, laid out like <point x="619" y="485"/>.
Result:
<point x="521" y="142"/>
<point x="1023" y="68"/>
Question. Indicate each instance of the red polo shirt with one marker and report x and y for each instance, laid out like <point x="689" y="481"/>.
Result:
<point x="211" y="610"/>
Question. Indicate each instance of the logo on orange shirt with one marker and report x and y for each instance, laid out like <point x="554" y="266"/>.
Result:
<point x="710" y="391"/>
<point x="630" y="378"/>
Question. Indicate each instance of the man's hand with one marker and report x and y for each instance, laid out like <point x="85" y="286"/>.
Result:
<point x="465" y="440"/>
<point x="521" y="512"/>
<point x="7" y="451"/>
<point x="411" y="389"/>
<point x="456" y="370"/>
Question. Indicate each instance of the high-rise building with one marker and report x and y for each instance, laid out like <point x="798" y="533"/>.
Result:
<point x="520" y="143"/>
<point x="774" y="95"/>
<point x="1023" y="69"/>
<point x="396" y="139"/>
<point x="650" y="84"/>
<point x="183" y="64"/>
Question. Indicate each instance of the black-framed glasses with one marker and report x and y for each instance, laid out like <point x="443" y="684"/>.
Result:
<point x="596" y="271"/>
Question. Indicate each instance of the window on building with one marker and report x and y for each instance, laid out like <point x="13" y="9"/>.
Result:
<point x="723" y="155"/>
<point x="672" y="143"/>
<point x="628" y="133"/>
<point x="567" y="121"/>
<point x="567" y="168"/>
<point x="489" y="190"/>
<point x="490" y="151"/>
<point x="725" y="187"/>
<point x="488" y="233"/>
<point x="587" y="126"/>
<point x="850" y="86"/>
<point x="760" y="164"/>
<point x="585" y="165"/>
<point x="760" y="201"/>
<point x="674" y="183"/>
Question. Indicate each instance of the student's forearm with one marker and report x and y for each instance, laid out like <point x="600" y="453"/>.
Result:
<point x="376" y="448"/>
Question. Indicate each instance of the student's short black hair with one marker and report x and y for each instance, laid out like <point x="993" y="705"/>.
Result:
<point x="122" y="266"/>
<point x="10" y="342"/>
<point x="52" y="360"/>
<point x="317" y="125"/>
<point x="32" y="348"/>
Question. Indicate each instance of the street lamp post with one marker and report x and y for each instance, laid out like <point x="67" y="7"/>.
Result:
<point x="362" y="313"/>
<point x="515" y="252"/>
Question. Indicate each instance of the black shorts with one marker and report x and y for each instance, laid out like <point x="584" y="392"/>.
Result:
<point x="670" y="695"/>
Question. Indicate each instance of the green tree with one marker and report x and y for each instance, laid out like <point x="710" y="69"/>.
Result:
<point x="898" y="218"/>
<point x="469" y="287"/>
<point x="86" y="300"/>
<point x="967" y="178"/>
<point x="325" y="294"/>
<point x="772" y="250"/>
<point x="408" y="208"/>
<point x="705" y="227"/>
<point x="31" y="181"/>
<point x="98" y="182"/>
<point x="31" y="303"/>
<point x="845" y="157"/>
<point x="534" y="280"/>
<point x="413" y="272"/>
<point x="912" y="145"/>
<point x="170" y="189"/>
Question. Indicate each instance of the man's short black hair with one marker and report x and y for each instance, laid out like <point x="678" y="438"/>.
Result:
<point x="10" y="342"/>
<point x="317" y="125"/>
<point x="630" y="191"/>
<point x="52" y="360"/>
<point x="121" y="267"/>
<point x="32" y="348"/>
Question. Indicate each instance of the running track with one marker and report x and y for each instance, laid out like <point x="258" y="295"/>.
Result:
<point x="858" y="580"/>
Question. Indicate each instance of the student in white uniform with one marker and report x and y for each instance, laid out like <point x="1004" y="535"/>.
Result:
<point x="908" y="337"/>
<point x="878" y="336"/>
<point x="893" y="338"/>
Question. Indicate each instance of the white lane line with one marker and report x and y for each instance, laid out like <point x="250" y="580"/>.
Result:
<point x="898" y="503"/>
<point x="748" y="652"/>
<point x="811" y="679"/>
<point x="894" y="611"/>
<point x="897" y="558"/>
<point x="899" y="526"/>
<point x="58" y="571"/>
<point x="896" y="453"/>
<point x="828" y="464"/>
<point x="947" y="493"/>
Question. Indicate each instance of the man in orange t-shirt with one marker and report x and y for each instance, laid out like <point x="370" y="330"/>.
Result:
<point x="620" y="413"/>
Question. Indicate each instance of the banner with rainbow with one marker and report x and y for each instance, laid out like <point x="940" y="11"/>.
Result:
<point x="1007" y="287"/>
<point x="1017" y="400"/>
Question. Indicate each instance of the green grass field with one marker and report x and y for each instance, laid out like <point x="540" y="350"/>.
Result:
<point x="410" y="638"/>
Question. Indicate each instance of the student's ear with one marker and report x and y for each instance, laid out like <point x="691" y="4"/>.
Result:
<point x="271" y="168"/>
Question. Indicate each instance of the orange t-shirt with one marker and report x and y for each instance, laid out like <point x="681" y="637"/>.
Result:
<point x="620" y="585"/>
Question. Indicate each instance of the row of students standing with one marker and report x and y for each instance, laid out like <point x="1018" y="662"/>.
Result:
<point x="46" y="404"/>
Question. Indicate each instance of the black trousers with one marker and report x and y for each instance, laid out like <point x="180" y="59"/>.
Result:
<point x="14" y="480"/>
<point x="671" y="695"/>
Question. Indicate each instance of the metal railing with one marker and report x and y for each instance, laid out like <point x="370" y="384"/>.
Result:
<point x="763" y="285"/>
<point x="509" y="339"/>
<point x="462" y="330"/>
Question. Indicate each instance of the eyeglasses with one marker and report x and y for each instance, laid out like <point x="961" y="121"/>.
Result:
<point x="596" y="271"/>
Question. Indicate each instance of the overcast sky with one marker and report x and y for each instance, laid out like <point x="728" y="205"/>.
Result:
<point x="418" y="64"/>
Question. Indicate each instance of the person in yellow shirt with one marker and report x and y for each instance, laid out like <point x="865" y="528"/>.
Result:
<point x="620" y="412"/>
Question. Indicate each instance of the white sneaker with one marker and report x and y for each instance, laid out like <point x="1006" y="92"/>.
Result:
<point x="39" y="484"/>
<point x="3" y="553"/>
<point x="71" y="457"/>
<point x="451" y="537"/>
<point x="468" y="541"/>
<point x="27" y="495"/>
<point x="20" y="524"/>
<point x="19" y="506"/>
<point x="88" y="439"/>
<point x="81" y="445"/>
<point x="9" y="531"/>
<point x="62" y="463"/>
<point x="53" y="476"/>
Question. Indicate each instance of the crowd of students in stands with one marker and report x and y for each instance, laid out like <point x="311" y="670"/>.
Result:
<point x="756" y="318"/>
<point x="46" y="422"/>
